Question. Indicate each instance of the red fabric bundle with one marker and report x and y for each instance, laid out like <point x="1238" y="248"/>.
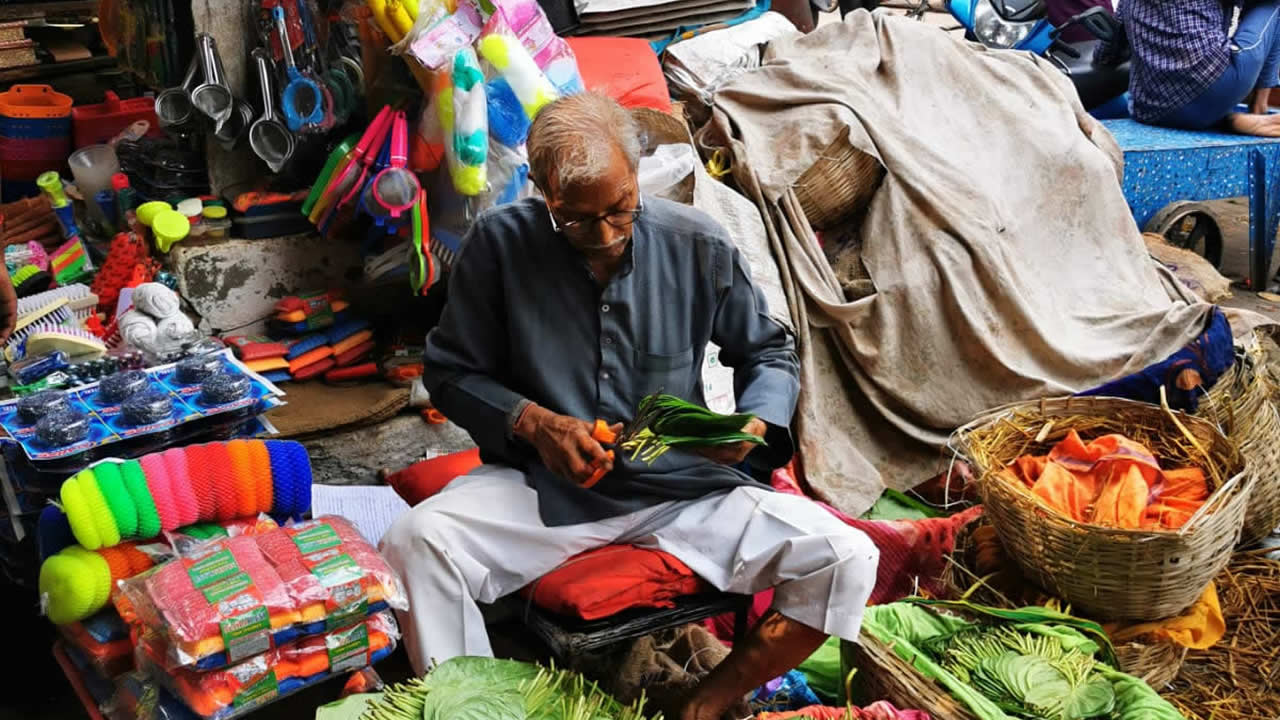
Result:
<point x="605" y="581"/>
<point x="351" y="355"/>
<point x="314" y="369"/>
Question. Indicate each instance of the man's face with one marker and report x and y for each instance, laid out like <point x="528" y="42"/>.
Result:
<point x="594" y="217"/>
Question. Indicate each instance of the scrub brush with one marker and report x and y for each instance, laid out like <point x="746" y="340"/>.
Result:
<point x="76" y="343"/>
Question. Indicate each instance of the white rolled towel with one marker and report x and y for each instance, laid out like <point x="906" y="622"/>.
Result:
<point x="156" y="300"/>
<point x="175" y="329"/>
<point x="138" y="330"/>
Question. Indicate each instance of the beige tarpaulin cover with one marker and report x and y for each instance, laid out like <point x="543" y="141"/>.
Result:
<point x="1005" y="262"/>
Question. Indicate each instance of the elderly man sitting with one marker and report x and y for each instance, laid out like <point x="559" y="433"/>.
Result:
<point x="563" y="311"/>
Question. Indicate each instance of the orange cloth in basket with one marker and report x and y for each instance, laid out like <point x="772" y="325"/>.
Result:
<point x="1112" y="481"/>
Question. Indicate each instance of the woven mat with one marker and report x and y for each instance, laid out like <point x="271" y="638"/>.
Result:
<point x="315" y="407"/>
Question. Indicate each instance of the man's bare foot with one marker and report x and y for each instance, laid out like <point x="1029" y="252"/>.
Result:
<point x="1258" y="125"/>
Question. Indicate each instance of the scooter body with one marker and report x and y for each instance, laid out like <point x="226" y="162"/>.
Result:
<point x="1005" y="24"/>
<point x="1024" y="25"/>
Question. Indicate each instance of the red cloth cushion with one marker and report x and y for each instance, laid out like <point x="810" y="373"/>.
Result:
<point x="625" y="69"/>
<point x="592" y="585"/>
<point x="605" y="581"/>
<point x="423" y="479"/>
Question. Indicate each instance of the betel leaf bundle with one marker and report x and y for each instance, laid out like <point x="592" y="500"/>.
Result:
<point x="666" y="421"/>
<point x="476" y="688"/>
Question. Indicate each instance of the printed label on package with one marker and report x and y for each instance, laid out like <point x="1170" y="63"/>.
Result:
<point x="246" y="635"/>
<point x="315" y="539"/>
<point x="348" y="650"/>
<point x="260" y="692"/>
<point x="222" y="589"/>
<point x="218" y="566"/>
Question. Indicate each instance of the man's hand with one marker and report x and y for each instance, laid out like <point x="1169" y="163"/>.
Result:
<point x="8" y="305"/>
<point x="737" y="452"/>
<point x="564" y="443"/>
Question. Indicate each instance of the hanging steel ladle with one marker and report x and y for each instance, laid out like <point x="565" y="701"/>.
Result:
<point x="213" y="98"/>
<point x="268" y="137"/>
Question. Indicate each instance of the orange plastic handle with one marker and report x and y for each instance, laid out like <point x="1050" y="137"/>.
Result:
<point x="600" y="432"/>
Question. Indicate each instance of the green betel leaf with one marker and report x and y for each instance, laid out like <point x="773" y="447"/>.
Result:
<point x="1093" y="698"/>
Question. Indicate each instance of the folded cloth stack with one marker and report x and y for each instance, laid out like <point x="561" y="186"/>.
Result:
<point x="181" y="486"/>
<point x="222" y="598"/>
<point x="230" y="692"/>
<point x="300" y="314"/>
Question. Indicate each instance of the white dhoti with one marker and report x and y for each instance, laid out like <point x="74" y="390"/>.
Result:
<point x="482" y="538"/>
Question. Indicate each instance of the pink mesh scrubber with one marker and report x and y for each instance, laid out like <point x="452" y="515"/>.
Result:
<point x="175" y="460"/>
<point x="158" y="483"/>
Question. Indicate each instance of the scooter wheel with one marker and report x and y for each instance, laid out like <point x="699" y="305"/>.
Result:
<point x="1190" y="226"/>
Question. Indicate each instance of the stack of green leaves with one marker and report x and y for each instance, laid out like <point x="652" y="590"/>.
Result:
<point x="665" y="421"/>
<point x="1032" y="663"/>
<point x="476" y="688"/>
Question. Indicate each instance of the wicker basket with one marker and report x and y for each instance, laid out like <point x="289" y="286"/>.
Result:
<point x="1109" y="573"/>
<point x="885" y="676"/>
<point x="1157" y="661"/>
<point x="659" y="128"/>
<point x="839" y="184"/>
<point x="1243" y="404"/>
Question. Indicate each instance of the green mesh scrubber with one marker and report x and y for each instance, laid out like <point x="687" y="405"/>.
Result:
<point x="122" y="510"/>
<point x="108" y="533"/>
<point x="135" y="483"/>
<point x="97" y="566"/>
<point x="79" y="515"/>
<point x="67" y="588"/>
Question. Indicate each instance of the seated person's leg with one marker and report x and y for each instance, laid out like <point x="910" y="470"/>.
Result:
<point x="479" y="539"/>
<point x="750" y="539"/>
<point x="1253" y="61"/>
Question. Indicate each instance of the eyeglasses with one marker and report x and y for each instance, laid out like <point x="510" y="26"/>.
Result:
<point x="619" y="219"/>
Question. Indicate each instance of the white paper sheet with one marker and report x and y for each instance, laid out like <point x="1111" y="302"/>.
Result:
<point x="370" y="508"/>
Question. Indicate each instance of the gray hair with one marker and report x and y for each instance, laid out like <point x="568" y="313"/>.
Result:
<point x="575" y="137"/>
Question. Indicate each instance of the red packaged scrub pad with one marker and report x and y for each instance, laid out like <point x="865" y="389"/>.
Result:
<point x="329" y="569"/>
<point x="221" y="595"/>
<point x="220" y="694"/>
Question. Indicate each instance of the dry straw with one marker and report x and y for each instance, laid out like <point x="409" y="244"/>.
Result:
<point x="1102" y="572"/>
<point x="1238" y="678"/>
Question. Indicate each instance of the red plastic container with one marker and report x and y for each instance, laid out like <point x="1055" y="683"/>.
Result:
<point x="93" y="124"/>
